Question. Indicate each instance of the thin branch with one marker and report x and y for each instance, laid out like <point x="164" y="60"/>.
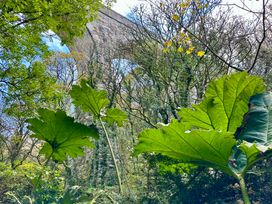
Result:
<point x="262" y="40"/>
<point x="216" y="55"/>
<point x="240" y="7"/>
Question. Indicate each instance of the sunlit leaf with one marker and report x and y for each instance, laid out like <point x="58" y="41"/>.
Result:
<point x="62" y="136"/>
<point x="200" y="147"/>
<point x="225" y="103"/>
<point x="115" y="115"/>
<point x="205" y="135"/>
<point x="89" y="99"/>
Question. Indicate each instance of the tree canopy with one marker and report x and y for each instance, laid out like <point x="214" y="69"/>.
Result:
<point x="24" y="80"/>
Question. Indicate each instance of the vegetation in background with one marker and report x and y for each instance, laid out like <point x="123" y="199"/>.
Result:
<point x="176" y="51"/>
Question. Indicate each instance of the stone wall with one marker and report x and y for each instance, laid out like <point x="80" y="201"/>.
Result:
<point x="104" y="39"/>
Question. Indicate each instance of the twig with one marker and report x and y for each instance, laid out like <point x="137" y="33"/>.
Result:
<point x="262" y="40"/>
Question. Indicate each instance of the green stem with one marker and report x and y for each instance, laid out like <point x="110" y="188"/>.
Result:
<point x="113" y="157"/>
<point x="243" y="189"/>
<point x="48" y="159"/>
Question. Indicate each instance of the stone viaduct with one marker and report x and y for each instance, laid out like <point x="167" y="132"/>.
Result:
<point x="102" y="43"/>
<point x="104" y="39"/>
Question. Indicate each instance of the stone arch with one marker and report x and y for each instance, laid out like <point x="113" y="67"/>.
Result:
<point x="104" y="40"/>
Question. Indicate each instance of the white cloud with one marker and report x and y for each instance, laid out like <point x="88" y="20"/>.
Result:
<point x="241" y="7"/>
<point x="124" y="6"/>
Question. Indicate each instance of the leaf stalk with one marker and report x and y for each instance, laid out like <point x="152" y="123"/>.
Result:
<point x="243" y="189"/>
<point x="112" y="156"/>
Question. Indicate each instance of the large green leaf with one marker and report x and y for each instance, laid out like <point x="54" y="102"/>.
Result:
<point x="62" y="135"/>
<point x="257" y="125"/>
<point x="202" y="147"/>
<point x="89" y="99"/>
<point x="205" y="135"/>
<point x="225" y="103"/>
<point x="115" y="115"/>
<point x="256" y="130"/>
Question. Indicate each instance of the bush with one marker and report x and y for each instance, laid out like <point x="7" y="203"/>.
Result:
<point x="30" y="181"/>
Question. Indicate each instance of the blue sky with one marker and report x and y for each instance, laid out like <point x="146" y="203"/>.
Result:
<point x="54" y="44"/>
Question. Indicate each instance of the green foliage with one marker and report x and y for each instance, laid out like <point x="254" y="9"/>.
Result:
<point x="62" y="135"/>
<point x="94" y="101"/>
<point x="256" y="132"/>
<point x="115" y="115"/>
<point x="24" y="82"/>
<point x="201" y="147"/>
<point x="175" y="168"/>
<point x="67" y="18"/>
<point x="19" y="182"/>
<point x="89" y="99"/>
<point x="29" y="89"/>
<point x="257" y="126"/>
<point x="225" y="103"/>
<point x="205" y="135"/>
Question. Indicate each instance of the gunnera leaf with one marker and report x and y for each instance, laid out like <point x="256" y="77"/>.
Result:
<point x="89" y="99"/>
<point x="62" y="135"/>
<point x="115" y="115"/>
<point x="205" y="135"/>
<point x="225" y="103"/>
<point x="201" y="147"/>
<point x="255" y="134"/>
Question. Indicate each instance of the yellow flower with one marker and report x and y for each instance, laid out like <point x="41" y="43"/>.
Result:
<point x="165" y="50"/>
<point x="190" y="50"/>
<point x="200" y="53"/>
<point x="168" y="43"/>
<point x="187" y="39"/>
<point x="184" y="4"/>
<point x="182" y="35"/>
<point x="175" y="17"/>
<point x="180" y="49"/>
